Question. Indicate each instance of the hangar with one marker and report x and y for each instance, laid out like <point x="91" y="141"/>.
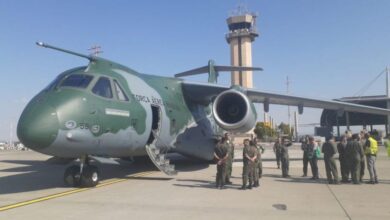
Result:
<point x="332" y="118"/>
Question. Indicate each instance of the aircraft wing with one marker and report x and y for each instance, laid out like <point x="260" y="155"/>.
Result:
<point x="300" y="102"/>
<point x="204" y="93"/>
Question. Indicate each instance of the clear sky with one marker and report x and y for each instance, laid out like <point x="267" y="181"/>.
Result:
<point x="329" y="49"/>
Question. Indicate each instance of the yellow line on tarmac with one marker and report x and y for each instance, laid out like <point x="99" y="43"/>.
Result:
<point x="57" y="195"/>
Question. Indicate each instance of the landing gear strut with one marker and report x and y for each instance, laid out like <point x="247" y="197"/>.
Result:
<point x="83" y="175"/>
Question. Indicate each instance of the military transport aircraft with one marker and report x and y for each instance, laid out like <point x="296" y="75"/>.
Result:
<point x="107" y="110"/>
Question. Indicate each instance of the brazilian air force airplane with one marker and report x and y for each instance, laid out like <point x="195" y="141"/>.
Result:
<point x="107" y="110"/>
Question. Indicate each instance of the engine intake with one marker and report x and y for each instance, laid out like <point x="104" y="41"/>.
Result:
<point x="233" y="111"/>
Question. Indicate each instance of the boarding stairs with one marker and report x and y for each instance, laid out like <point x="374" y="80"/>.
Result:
<point x="158" y="157"/>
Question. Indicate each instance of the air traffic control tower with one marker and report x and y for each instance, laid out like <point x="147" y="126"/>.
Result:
<point x="242" y="32"/>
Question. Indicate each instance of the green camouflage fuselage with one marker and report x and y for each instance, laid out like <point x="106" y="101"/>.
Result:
<point x="70" y="122"/>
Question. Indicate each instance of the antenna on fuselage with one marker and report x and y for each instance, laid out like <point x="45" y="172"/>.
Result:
<point x="95" y="50"/>
<point x="41" y="44"/>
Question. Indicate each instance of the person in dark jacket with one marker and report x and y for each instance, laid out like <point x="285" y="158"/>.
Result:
<point x="305" y="159"/>
<point x="342" y="159"/>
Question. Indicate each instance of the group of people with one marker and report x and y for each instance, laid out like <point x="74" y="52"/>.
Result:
<point x="354" y="151"/>
<point x="224" y="154"/>
<point x="252" y="164"/>
<point x="281" y="152"/>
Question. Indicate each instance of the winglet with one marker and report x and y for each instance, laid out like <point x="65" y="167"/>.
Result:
<point x="42" y="44"/>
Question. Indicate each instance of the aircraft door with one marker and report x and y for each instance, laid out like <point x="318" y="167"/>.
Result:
<point x="156" y="123"/>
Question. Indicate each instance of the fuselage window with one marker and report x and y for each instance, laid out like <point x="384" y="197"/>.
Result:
<point x="119" y="91"/>
<point x="103" y="88"/>
<point x="77" y="81"/>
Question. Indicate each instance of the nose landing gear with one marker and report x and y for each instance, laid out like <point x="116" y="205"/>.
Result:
<point x="83" y="175"/>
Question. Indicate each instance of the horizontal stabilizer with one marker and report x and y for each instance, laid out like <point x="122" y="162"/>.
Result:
<point x="205" y="69"/>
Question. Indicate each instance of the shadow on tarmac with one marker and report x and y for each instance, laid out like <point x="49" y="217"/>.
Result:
<point x="32" y="175"/>
<point x="270" y="159"/>
<point x="39" y="175"/>
<point x="193" y="183"/>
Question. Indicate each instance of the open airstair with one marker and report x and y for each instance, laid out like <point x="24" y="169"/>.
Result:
<point x="158" y="157"/>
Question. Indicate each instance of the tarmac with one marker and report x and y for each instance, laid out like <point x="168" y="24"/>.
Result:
<point x="31" y="188"/>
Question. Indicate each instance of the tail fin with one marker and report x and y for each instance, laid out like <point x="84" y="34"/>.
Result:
<point x="214" y="70"/>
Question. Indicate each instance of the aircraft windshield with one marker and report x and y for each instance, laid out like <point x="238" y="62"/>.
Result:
<point x="77" y="80"/>
<point x="103" y="88"/>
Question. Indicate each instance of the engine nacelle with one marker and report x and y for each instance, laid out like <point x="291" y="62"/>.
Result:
<point x="233" y="111"/>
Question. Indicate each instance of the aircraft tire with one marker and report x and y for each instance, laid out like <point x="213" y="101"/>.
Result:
<point x="72" y="176"/>
<point x="90" y="176"/>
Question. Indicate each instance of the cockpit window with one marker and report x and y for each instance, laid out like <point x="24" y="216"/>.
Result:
<point x="103" y="88"/>
<point x="120" y="93"/>
<point x="77" y="80"/>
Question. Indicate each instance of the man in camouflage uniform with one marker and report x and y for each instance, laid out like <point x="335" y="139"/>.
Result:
<point x="258" y="163"/>
<point x="330" y="151"/>
<point x="342" y="159"/>
<point x="277" y="150"/>
<point x="305" y="159"/>
<point x="354" y="153"/>
<point x="221" y="155"/>
<point x="249" y="157"/>
<point x="362" y="140"/>
<point x="285" y="157"/>
<point x="230" y="159"/>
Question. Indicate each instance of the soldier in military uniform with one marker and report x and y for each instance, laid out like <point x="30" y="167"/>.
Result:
<point x="221" y="154"/>
<point x="249" y="157"/>
<point x="354" y="153"/>
<point x="342" y="159"/>
<point x="285" y="157"/>
<point x="277" y="150"/>
<point x="305" y="159"/>
<point x="362" y="140"/>
<point x="230" y="159"/>
<point x="330" y="151"/>
<point x="258" y="163"/>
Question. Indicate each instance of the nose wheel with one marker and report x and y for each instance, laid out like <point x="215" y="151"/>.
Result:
<point x="83" y="175"/>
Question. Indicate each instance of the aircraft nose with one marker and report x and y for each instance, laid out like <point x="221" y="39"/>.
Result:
<point x="38" y="125"/>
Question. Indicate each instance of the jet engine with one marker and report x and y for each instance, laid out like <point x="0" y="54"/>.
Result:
<point x="233" y="111"/>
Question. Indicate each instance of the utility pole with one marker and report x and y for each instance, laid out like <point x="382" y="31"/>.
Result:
<point x="387" y="82"/>
<point x="10" y="135"/>
<point x="296" y="126"/>
<point x="388" y="96"/>
<point x="288" y="107"/>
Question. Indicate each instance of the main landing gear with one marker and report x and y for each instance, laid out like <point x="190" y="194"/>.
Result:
<point x="83" y="175"/>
